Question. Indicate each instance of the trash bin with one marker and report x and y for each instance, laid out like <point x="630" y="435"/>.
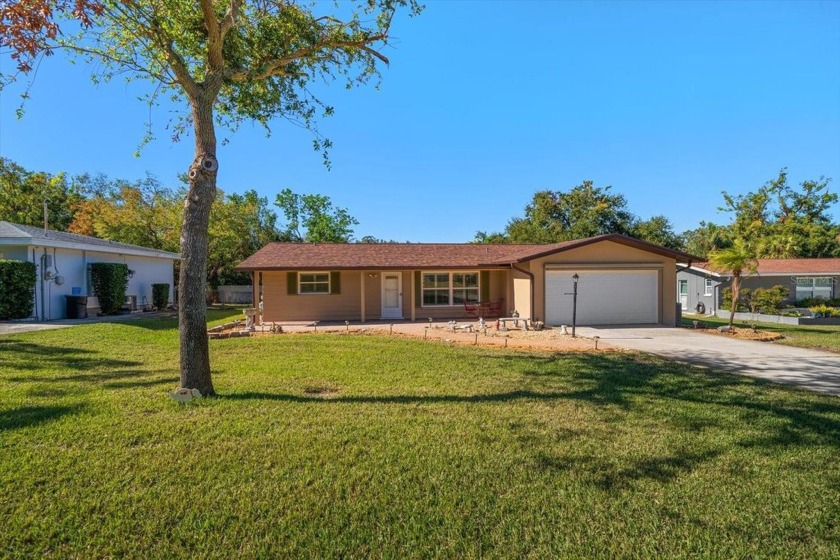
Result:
<point x="76" y="307"/>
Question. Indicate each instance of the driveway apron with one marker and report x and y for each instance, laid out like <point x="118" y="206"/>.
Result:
<point x="814" y="370"/>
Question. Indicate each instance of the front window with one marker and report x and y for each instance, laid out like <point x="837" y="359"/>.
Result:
<point x="816" y="288"/>
<point x="464" y="287"/>
<point x="449" y="288"/>
<point x="317" y="283"/>
<point x="708" y="290"/>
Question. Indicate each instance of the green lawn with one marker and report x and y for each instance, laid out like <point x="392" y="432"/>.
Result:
<point x="353" y="446"/>
<point x="804" y="336"/>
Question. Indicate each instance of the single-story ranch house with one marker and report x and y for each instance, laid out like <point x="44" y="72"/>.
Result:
<point x="62" y="261"/>
<point x="621" y="281"/>
<point x="700" y="288"/>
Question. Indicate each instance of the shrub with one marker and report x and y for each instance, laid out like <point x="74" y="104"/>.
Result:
<point x="811" y="302"/>
<point x="825" y="311"/>
<point x="17" y="289"/>
<point x="768" y="300"/>
<point x="743" y="299"/>
<point x="110" y="281"/>
<point x="160" y="295"/>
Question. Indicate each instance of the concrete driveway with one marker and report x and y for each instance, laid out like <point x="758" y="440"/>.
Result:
<point x="814" y="370"/>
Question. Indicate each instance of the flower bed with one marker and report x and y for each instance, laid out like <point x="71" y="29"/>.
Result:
<point x="781" y="319"/>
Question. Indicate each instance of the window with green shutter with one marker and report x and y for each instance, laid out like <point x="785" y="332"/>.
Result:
<point x="292" y="283"/>
<point x="314" y="283"/>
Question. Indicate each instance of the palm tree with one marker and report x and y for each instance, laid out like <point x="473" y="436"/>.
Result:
<point x="738" y="260"/>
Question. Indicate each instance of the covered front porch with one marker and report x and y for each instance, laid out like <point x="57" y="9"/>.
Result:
<point x="405" y="294"/>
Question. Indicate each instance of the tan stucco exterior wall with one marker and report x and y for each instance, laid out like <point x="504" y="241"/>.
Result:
<point x="278" y="306"/>
<point x="603" y="255"/>
<point x="521" y="293"/>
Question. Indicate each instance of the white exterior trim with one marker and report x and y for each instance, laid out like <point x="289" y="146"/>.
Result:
<point x="57" y="244"/>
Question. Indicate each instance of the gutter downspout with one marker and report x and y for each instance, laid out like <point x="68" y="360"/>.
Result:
<point x="35" y="294"/>
<point x="532" y="277"/>
<point x="41" y="276"/>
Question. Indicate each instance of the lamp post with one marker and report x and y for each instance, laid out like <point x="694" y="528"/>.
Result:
<point x="575" y="279"/>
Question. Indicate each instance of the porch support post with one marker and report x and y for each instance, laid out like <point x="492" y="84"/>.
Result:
<point x="255" y="291"/>
<point x="362" y="283"/>
<point x="412" y="298"/>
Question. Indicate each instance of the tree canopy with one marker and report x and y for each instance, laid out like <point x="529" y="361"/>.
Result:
<point x="222" y="63"/>
<point x="23" y="192"/>
<point x="738" y="260"/>
<point x="583" y="211"/>
<point x="778" y="220"/>
<point x="312" y="218"/>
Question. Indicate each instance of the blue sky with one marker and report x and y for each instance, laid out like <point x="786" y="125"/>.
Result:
<point x="485" y="103"/>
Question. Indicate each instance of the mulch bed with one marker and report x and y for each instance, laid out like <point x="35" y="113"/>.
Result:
<point x="744" y="334"/>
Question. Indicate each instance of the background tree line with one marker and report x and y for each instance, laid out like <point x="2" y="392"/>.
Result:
<point x="777" y="220"/>
<point x="147" y="213"/>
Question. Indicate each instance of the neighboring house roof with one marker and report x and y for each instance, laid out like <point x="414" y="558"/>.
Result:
<point x="16" y="234"/>
<point x="785" y="267"/>
<point x="331" y="256"/>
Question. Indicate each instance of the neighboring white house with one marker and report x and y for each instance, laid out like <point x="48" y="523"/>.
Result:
<point x="62" y="261"/>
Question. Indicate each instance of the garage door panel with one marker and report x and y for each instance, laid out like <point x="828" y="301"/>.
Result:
<point x="606" y="297"/>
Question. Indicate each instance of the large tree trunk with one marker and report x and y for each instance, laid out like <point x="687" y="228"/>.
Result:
<point x="192" y="311"/>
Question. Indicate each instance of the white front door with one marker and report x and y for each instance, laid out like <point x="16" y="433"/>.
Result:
<point x="684" y="294"/>
<point x="392" y="301"/>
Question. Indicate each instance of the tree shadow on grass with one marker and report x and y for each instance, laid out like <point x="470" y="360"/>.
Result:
<point x="22" y="355"/>
<point x="631" y="384"/>
<point x="609" y="476"/>
<point x="395" y="399"/>
<point x="118" y="379"/>
<point x="27" y="416"/>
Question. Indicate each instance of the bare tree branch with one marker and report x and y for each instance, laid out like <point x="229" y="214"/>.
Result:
<point x="276" y="67"/>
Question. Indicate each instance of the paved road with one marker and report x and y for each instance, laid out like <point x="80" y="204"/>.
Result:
<point x="814" y="370"/>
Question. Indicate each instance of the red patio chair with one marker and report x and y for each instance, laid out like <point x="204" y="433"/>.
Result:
<point x="473" y="308"/>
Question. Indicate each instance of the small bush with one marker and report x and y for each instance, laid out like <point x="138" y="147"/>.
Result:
<point x="110" y="282"/>
<point x="160" y="295"/>
<point x="811" y="302"/>
<point x="768" y="300"/>
<point x="791" y="313"/>
<point x="825" y="311"/>
<point x="743" y="299"/>
<point x="17" y="289"/>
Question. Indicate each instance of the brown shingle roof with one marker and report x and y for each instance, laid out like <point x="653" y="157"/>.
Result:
<point x="792" y="266"/>
<point x="332" y="256"/>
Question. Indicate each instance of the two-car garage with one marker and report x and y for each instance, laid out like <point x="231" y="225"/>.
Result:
<point x="604" y="296"/>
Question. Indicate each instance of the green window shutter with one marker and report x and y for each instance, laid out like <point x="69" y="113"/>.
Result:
<point x="484" y="283"/>
<point x="335" y="282"/>
<point x="418" y="289"/>
<point x="292" y="283"/>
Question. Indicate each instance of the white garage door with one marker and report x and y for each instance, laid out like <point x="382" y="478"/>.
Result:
<point x="605" y="297"/>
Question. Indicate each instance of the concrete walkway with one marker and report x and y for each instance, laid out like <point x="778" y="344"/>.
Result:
<point x="813" y="370"/>
<point x="13" y="327"/>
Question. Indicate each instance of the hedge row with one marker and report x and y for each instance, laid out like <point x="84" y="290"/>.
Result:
<point x="17" y="289"/>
